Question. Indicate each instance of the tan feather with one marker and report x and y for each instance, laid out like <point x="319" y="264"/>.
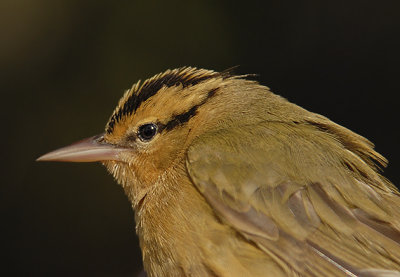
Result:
<point x="233" y="180"/>
<point x="305" y="207"/>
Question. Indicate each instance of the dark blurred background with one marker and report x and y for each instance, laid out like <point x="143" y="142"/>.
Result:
<point x="64" y="65"/>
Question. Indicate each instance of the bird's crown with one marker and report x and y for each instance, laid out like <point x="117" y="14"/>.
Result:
<point x="171" y="98"/>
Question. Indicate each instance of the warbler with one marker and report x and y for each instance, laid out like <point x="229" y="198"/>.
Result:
<point x="227" y="178"/>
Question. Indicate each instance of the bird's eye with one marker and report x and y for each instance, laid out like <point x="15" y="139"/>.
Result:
<point x="147" y="131"/>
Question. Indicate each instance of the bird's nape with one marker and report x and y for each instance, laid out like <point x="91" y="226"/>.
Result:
<point x="229" y="179"/>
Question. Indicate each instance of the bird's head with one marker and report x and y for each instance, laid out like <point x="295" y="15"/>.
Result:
<point x="154" y="124"/>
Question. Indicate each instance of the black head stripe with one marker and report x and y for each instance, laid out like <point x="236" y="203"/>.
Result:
<point x="182" y="118"/>
<point x="183" y="76"/>
<point x="179" y="119"/>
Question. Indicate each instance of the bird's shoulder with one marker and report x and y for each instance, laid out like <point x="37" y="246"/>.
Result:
<point x="294" y="185"/>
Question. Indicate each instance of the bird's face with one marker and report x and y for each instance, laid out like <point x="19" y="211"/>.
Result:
<point x="151" y="128"/>
<point x="206" y="156"/>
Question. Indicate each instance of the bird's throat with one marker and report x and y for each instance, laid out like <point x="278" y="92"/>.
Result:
<point x="170" y="222"/>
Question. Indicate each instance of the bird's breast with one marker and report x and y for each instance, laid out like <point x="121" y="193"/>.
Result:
<point x="181" y="235"/>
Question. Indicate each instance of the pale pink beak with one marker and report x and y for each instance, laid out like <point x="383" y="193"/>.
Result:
<point x="92" y="149"/>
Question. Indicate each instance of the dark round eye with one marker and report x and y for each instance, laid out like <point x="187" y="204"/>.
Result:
<point x="147" y="131"/>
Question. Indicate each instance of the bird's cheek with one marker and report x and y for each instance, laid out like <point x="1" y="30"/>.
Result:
<point x="165" y="158"/>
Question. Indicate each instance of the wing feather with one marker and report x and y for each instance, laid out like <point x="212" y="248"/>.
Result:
<point x="303" y="197"/>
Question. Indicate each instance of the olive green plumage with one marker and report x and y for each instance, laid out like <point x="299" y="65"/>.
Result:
<point x="237" y="181"/>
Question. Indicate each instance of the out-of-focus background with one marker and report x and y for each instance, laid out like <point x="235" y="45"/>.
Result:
<point x="64" y="64"/>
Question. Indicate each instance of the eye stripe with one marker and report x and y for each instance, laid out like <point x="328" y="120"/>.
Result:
<point x="179" y="119"/>
<point x="182" y="118"/>
<point x="184" y="76"/>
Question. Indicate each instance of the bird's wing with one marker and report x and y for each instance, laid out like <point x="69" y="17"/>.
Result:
<point x="302" y="197"/>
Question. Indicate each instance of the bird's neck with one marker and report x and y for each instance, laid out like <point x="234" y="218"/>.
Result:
<point x="171" y="223"/>
<point x="180" y="235"/>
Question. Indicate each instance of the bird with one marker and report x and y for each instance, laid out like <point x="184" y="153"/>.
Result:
<point x="227" y="178"/>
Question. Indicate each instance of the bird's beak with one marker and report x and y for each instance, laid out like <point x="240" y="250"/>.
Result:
<point x="92" y="149"/>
